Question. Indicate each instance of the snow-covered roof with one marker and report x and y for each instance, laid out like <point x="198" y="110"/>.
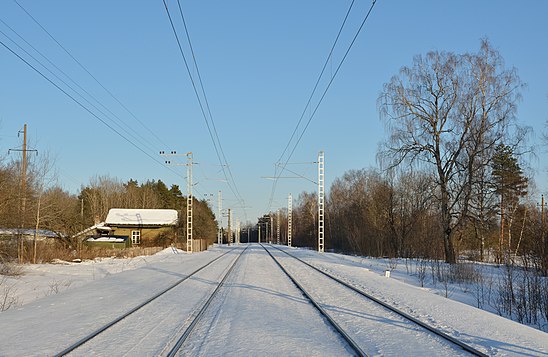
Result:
<point x="107" y="239"/>
<point x="27" y="232"/>
<point x="154" y="217"/>
<point x="100" y="226"/>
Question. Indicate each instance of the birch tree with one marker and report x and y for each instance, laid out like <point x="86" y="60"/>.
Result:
<point x="443" y="114"/>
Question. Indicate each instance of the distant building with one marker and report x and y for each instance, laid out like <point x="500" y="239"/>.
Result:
<point x="27" y="234"/>
<point x="126" y="227"/>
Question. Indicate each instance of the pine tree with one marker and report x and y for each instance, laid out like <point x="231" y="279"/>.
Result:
<point x="509" y="183"/>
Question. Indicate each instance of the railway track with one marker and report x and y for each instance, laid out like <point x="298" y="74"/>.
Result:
<point x="261" y="312"/>
<point x="182" y="339"/>
<point x="172" y="348"/>
<point x="338" y="317"/>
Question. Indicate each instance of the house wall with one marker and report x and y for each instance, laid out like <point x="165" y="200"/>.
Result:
<point x="150" y="236"/>
<point x="109" y="245"/>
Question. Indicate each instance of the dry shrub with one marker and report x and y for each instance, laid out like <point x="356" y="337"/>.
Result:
<point x="96" y="252"/>
<point x="463" y="273"/>
<point x="55" y="250"/>
<point x="8" y="268"/>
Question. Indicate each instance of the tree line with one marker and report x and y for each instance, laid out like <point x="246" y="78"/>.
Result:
<point x="450" y="182"/>
<point x="44" y="206"/>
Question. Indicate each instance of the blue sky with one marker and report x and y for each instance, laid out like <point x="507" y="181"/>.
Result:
<point x="259" y="61"/>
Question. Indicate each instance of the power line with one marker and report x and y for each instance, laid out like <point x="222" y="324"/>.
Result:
<point x="90" y="74"/>
<point x="137" y="136"/>
<point x="317" y="81"/>
<point x="274" y="184"/>
<point x="237" y="193"/>
<point x="332" y="78"/>
<point x="141" y="139"/>
<point x="323" y="94"/>
<point x="207" y="103"/>
<point x="216" y="144"/>
<point x="85" y="108"/>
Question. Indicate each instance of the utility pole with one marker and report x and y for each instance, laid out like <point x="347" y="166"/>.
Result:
<point x="189" y="198"/>
<point x="220" y="217"/>
<point x="289" y="219"/>
<point x="321" y="200"/>
<point x="23" y="192"/>
<point x="189" y="204"/>
<point x="542" y="204"/>
<point x="237" y="231"/>
<point x="259" y="239"/>
<point x="544" y="249"/>
<point x="271" y="229"/>
<point x="278" y="228"/>
<point x="267" y="235"/>
<point x="229" y="238"/>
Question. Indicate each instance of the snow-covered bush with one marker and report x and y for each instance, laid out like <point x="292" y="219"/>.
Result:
<point x="8" y="297"/>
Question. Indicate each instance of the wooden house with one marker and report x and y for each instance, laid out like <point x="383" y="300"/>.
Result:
<point x="126" y="227"/>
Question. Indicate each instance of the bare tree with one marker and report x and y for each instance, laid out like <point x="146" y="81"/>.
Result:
<point x="304" y="220"/>
<point x="409" y="203"/>
<point x="102" y="194"/>
<point x="443" y="113"/>
<point x="9" y="187"/>
<point x="42" y="176"/>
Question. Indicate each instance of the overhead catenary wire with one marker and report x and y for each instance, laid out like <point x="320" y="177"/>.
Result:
<point x="331" y="80"/>
<point x="226" y="164"/>
<point x="216" y="144"/>
<point x="327" y="60"/>
<point x="323" y="94"/>
<point x="192" y="81"/>
<point x="208" y="107"/>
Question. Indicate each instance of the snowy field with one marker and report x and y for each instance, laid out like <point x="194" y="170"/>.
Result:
<point x="42" y="280"/>
<point x="259" y="313"/>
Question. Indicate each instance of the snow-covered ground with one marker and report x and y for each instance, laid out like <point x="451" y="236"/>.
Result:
<point x="475" y="284"/>
<point x="259" y="312"/>
<point x="41" y="280"/>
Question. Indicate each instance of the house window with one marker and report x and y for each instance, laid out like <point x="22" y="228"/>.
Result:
<point x="135" y="237"/>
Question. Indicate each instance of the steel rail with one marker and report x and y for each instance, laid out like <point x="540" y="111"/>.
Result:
<point x="357" y="349"/>
<point x="131" y="311"/>
<point x="200" y="314"/>
<point x="434" y="330"/>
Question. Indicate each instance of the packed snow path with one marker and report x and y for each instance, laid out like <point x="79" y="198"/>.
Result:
<point x="258" y="312"/>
